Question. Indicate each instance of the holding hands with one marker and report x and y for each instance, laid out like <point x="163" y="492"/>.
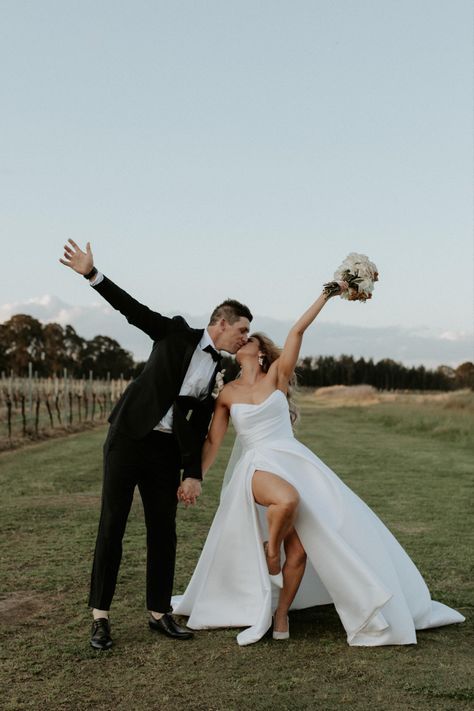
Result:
<point x="189" y="491"/>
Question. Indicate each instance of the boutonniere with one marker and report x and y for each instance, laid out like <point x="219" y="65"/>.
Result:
<point x="219" y="384"/>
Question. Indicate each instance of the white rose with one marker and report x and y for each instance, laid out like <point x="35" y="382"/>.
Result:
<point x="366" y="285"/>
<point x="219" y="384"/>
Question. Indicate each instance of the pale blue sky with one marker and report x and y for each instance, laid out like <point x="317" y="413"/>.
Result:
<point x="241" y="148"/>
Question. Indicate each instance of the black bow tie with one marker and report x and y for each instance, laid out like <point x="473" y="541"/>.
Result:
<point x="215" y="355"/>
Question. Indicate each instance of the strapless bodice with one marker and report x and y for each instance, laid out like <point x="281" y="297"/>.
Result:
<point x="260" y="424"/>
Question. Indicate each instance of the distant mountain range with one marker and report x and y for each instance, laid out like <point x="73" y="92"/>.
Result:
<point x="407" y="345"/>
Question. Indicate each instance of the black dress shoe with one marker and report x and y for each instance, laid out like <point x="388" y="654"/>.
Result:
<point x="168" y="626"/>
<point x="100" y="637"/>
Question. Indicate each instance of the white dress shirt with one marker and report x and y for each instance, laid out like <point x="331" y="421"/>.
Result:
<point x="196" y="381"/>
<point x="97" y="279"/>
<point x="198" y="375"/>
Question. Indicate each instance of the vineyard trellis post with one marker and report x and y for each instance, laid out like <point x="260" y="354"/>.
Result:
<point x="30" y="391"/>
<point x="108" y="393"/>
<point x="65" y="394"/>
<point x="92" y="394"/>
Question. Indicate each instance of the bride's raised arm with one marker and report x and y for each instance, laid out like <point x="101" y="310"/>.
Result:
<point x="291" y="350"/>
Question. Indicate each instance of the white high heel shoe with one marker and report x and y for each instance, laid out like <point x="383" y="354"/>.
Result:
<point x="276" y="579"/>
<point x="281" y="635"/>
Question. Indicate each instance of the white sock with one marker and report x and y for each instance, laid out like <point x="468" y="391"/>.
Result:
<point x="100" y="613"/>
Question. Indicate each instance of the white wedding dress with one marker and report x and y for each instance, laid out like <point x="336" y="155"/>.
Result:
<point x="353" y="559"/>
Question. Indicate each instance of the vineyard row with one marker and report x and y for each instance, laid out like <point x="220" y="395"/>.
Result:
<point x="31" y="405"/>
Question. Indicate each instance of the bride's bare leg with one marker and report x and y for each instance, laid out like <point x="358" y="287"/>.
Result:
<point x="293" y="572"/>
<point x="281" y="500"/>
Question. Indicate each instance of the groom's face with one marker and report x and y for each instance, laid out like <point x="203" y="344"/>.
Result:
<point x="233" y="336"/>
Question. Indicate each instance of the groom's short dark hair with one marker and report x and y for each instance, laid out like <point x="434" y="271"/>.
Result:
<point x="231" y="310"/>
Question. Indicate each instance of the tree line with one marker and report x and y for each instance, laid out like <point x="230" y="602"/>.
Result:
<point x="386" y="374"/>
<point x="51" y="347"/>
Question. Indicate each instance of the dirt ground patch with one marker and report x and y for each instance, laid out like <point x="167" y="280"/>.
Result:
<point x="20" y="606"/>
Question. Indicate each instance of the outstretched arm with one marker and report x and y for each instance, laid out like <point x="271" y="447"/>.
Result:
<point x="152" y="323"/>
<point x="291" y="349"/>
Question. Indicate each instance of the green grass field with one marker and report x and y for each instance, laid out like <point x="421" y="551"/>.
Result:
<point x="411" y="462"/>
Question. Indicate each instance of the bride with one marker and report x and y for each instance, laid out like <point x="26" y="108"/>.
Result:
<point x="288" y="533"/>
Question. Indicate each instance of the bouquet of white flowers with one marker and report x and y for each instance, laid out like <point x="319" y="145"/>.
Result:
<point x="360" y="273"/>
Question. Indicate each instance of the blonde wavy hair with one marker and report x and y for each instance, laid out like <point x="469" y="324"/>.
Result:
<point x="270" y="352"/>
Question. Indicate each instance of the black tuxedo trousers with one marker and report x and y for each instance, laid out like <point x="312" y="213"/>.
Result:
<point x="153" y="464"/>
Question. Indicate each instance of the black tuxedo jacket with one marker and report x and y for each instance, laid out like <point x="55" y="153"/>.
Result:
<point x="148" y="398"/>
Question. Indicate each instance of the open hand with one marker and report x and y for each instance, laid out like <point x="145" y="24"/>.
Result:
<point x="75" y="258"/>
<point x="189" y="491"/>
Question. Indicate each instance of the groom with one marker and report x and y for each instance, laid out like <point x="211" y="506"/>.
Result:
<point x="156" y="429"/>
